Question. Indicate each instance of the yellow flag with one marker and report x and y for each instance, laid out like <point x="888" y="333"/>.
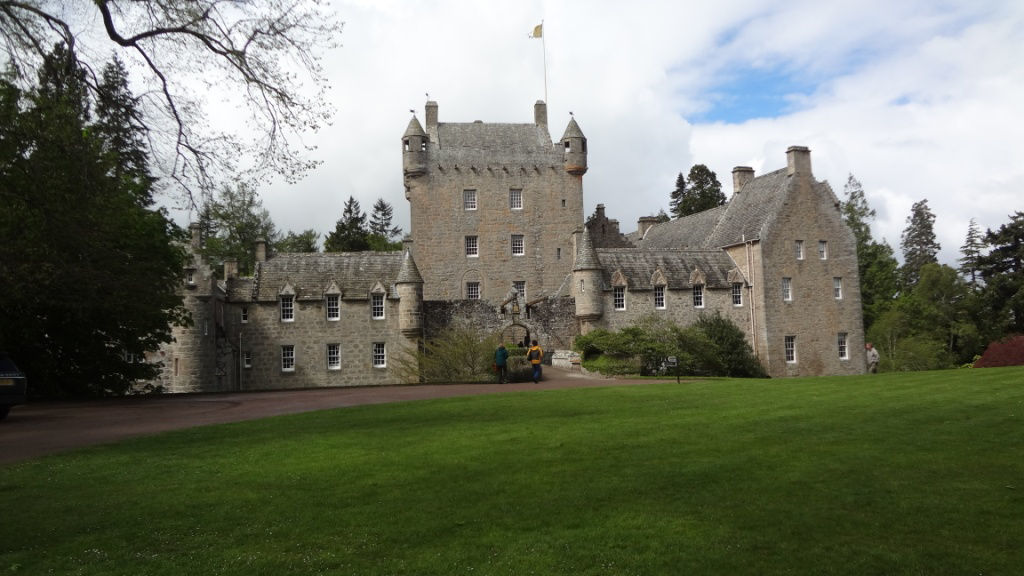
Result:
<point x="538" y="31"/>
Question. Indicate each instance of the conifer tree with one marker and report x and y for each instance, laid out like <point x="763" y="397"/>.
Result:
<point x="702" y="192"/>
<point x="350" y="232"/>
<point x="918" y="242"/>
<point x="971" y="251"/>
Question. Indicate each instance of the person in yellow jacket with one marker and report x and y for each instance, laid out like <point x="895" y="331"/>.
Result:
<point x="535" y="355"/>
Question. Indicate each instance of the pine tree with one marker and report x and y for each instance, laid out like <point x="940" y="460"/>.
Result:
<point x="918" y="242"/>
<point x="856" y="212"/>
<point x="380" y="220"/>
<point x="234" y="221"/>
<point x="675" y="205"/>
<point x="972" y="250"/>
<point x="350" y="232"/>
<point x="702" y="192"/>
<point x="1002" y="269"/>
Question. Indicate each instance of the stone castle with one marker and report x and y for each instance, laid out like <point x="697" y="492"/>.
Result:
<point x="498" y="241"/>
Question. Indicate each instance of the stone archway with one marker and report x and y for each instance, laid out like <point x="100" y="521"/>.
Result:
<point x="515" y="334"/>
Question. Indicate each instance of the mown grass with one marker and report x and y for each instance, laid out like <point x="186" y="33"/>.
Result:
<point x="919" y="473"/>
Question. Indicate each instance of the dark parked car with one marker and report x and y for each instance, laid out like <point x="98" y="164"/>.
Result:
<point x="13" y="385"/>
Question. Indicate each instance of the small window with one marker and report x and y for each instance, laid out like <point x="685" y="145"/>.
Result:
<point x="247" y="359"/>
<point x="520" y="287"/>
<point x="737" y="294"/>
<point x="563" y="202"/>
<point x="837" y="288"/>
<point x="472" y="290"/>
<point x="791" y="349"/>
<point x="244" y="314"/>
<point x="517" y="245"/>
<point x="405" y="144"/>
<point x="472" y="249"/>
<point x="333" y="307"/>
<point x="798" y="248"/>
<point x="377" y="306"/>
<point x="288" y="358"/>
<point x="287" y="308"/>
<point x="581" y="286"/>
<point x="659" y="297"/>
<point x="515" y="199"/>
<point x="698" y="295"/>
<point x="334" y="356"/>
<point x="823" y="249"/>
<point x="619" y="297"/>
<point x="787" y="289"/>
<point x="469" y="199"/>
<point x="380" y="358"/>
<point x="558" y="253"/>
<point x="190" y="278"/>
<point x="844" y="352"/>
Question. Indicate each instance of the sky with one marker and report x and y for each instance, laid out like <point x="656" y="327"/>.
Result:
<point x="916" y="99"/>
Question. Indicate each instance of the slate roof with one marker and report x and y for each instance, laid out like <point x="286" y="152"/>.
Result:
<point x="638" y="265"/>
<point x="310" y="275"/>
<point x="748" y="213"/>
<point x="690" y="231"/>
<point x="479" y="144"/>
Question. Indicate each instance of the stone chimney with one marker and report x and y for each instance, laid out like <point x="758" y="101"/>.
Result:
<point x="431" y="117"/>
<point x="197" y="237"/>
<point x="230" y="268"/>
<point x="740" y="176"/>
<point x="645" y="223"/>
<point x="540" y="114"/>
<point x="261" y="250"/>
<point x="600" y="212"/>
<point x="798" y="160"/>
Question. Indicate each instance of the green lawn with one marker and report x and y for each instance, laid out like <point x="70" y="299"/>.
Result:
<point x="918" y="473"/>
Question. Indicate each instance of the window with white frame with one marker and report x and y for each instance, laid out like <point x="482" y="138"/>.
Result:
<point x="798" y="248"/>
<point x="737" y="294"/>
<point x="659" y="297"/>
<point x="787" y="289"/>
<point x="333" y="307"/>
<point x="844" y="351"/>
<point x="288" y="358"/>
<point x="380" y="358"/>
<point x="377" y="305"/>
<point x="515" y="199"/>
<point x="472" y="249"/>
<point x="823" y="249"/>
<point x="472" y="290"/>
<point x="287" y="308"/>
<point x="791" y="349"/>
<point x="520" y="287"/>
<point x="334" y="356"/>
<point x="469" y="199"/>
<point x="837" y="288"/>
<point x="244" y="314"/>
<point x="517" y="245"/>
<point x="190" y="277"/>
<point x="619" y="297"/>
<point x="698" y="295"/>
<point x="246" y="359"/>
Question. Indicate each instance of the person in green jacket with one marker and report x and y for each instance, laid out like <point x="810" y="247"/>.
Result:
<point x="501" y="363"/>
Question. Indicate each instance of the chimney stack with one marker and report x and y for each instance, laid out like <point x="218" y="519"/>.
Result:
<point x="432" y="117"/>
<point x="197" y="237"/>
<point x="645" y="223"/>
<point x="798" y="160"/>
<point x="261" y="250"/>
<point x="740" y="176"/>
<point x="230" y="268"/>
<point x="540" y="114"/>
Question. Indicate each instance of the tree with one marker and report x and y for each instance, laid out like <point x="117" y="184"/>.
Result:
<point x="702" y="192"/>
<point x="350" y="233"/>
<point x="261" y="56"/>
<point x="381" y="231"/>
<point x="305" y="241"/>
<point x="856" y="212"/>
<point x="1002" y="269"/>
<point x="918" y="242"/>
<point x="971" y="252"/>
<point x="876" y="265"/>
<point x="90" y="270"/>
<point x="231" y="224"/>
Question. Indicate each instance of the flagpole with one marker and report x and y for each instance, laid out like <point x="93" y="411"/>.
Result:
<point x="544" y="49"/>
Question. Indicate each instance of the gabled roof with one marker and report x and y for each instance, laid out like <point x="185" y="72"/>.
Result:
<point x="310" y="275"/>
<point x="479" y="144"/>
<point x="748" y="213"/>
<point x="639" y="265"/>
<point x="690" y="231"/>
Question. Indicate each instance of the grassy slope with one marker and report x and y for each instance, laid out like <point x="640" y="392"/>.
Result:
<point x="919" y="473"/>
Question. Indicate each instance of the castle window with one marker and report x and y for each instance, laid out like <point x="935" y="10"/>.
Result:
<point x="423" y="145"/>
<point x="798" y="247"/>
<point x="287" y="308"/>
<point x="247" y="359"/>
<point x="698" y="295"/>
<point x="563" y="202"/>
<point x="737" y="294"/>
<point x="190" y="278"/>
<point x="517" y="245"/>
<point x="823" y="249"/>
<point x="558" y="253"/>
<point x="787" y="289"/>
<point x="380" y="358"/>
<point x="469" y="199"/>
<point x="520" y="287"/>
<point x="472" y="290"/>
<point x="659" y="297"/>
<point x="581" y="286"/>
<point x="334" y="356"/>
<point x="472" y="249"/>
<point x="288" y="358"/>
<point x="244" y="314"/>
<point x="837" y="288"/>
<point x="844" y="351"/>
<point x="515" y="199"/>
<point x="619" y="297"/>
<point x="791" y="349"/>
<point x="377" y="306"/>
<point x="333" y="307"/>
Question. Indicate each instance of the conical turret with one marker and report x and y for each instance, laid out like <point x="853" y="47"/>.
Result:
<point x="587" y="280"/>
<point x="575" y="149"/>
<point x="414" y="149"/>
<point x="409" y="285"/>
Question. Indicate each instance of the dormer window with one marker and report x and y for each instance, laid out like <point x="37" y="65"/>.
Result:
<point x="377" y="306"/>
<point x="333" y="307"/>
<point x="287" y="308"/>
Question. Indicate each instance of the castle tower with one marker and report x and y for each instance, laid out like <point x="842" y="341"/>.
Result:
<point x="414" y="149"/>
<point x="587" y="284"/>
<point x="409" y="285"/>
<point x="574" y="144"/>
